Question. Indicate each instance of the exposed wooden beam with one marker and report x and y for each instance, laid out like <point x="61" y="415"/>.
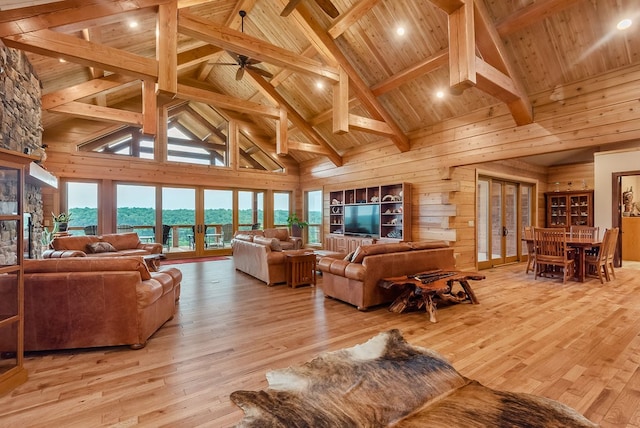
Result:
<point x="149" y="107"/>
<point x="425" y="66"/>
<point x="350" y="17"/>
<point x="197" y="55"/>
<point x="186" y="92"/>
<point x="57" y="45"/>
<point x="240" y="43"/>
<point x="532" y="14"/>
<point x="167" y="48"/>
<point x="494" y="53"/>
<point x="306" y="147"/>
<point x="99" y="113"/>
<point x="341" y="104"/>
<point x="309" y="25"/>
<point x="372" y="126"/>
<point x="86" y="89"/>
<point x="449" y="6"/>
<point x="68" y="15"/>
<point x="296" y="118"/>
<point x="462" y="72"/>
<point x="282" y="133"/>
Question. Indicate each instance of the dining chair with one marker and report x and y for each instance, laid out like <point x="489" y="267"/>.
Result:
<point x="551" y="252"/>
<point x="611" y="251"/>
<point x="586" y="232"/>
<point x="531" y="254"/>
<point x="597" y="263"/>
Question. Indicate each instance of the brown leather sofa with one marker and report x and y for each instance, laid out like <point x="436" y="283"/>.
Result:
<point x="355" y="280"/>
<point x="280" y="233"/>
<point x="91" y="302"/>
<point x="109" y="245"/>
<point x="260" y="257"/>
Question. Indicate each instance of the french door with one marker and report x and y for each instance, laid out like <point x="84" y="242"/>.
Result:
<point x="503" y="209"/>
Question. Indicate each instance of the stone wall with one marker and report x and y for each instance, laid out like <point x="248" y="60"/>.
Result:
<point x="21" y="124"/>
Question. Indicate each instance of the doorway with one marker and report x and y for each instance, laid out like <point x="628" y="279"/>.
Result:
<point x="503" y="208"/>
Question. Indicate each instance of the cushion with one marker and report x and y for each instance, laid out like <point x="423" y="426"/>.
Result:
<point x="122" y="241"/>
<point x="425" y="245"/>
<point x="349" y="257"/>
<point x="244" y="237"/>
<point x="369" y="250"/>
<point x="100" y="247"/>
<point x="280" y="234"/>
<point x="273" y="243"/>
<point x="73" y="242"/>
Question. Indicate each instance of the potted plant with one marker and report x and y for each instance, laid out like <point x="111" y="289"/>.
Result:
<point x="47" y="236"/>
<point x="296" y="225"/>
<point x="61" y="221"/>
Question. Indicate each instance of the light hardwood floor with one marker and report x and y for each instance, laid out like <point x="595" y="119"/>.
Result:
<point x="576" y="343"/>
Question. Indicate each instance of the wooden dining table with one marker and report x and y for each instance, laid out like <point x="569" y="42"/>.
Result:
<point x="580" y="245"/>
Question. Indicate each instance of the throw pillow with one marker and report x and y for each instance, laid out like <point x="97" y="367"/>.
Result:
<point x="272" y="243"/>
<point x="349" y="256"/>
<point x="100" y="247"/>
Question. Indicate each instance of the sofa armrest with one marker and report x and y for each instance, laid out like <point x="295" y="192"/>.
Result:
<point x="62" y="254"/>
<point x="152" y="248"/>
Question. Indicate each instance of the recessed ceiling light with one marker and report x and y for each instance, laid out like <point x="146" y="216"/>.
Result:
<point x="61" y="60"/>
<point x="624" y="24"/>
<point x="440" y="94"/>
<point x="400" y="31"/>
<point x="319" y="84"/>
<point x="133" y="24"/>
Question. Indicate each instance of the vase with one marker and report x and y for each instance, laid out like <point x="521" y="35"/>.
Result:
<point x="62" y="227"/>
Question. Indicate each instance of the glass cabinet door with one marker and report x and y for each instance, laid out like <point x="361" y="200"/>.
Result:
<point x="12" y="372"/>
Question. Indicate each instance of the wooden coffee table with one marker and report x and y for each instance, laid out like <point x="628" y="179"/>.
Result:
<point x="427" y="288"/>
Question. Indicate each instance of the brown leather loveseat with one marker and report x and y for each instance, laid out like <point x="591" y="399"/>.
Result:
<point x="355" y="280"/>
<point x="83" y="302"/>
<point x="261" y="257"/>
<point x="109" y="245"/>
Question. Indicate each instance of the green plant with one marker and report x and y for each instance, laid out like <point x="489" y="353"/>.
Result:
<point x="293" y="220"/>
<point x="61" y="218"/>
<point x="47" y="236"/>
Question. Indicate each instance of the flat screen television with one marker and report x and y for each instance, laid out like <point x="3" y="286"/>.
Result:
<point x="362" y="220"/>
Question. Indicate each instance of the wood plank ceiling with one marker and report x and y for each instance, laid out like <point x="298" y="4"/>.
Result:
<point x="376" y="83"/>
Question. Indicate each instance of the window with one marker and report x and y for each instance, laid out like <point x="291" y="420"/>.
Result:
<point x="82" y="204"/>
<point x="250" y="210"/>
<point x="314" y="216"/>
<point x="281" y="206"/>
<point x="136" y="210"/>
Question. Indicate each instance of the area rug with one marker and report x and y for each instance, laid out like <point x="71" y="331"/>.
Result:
<point x="388" y="382"/>
<point x="193" y="260"/>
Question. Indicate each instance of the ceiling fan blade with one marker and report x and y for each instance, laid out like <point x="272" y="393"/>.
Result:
<point x="289" y="7"/>
<point x="260" y="71"/>
<point x="251" y="61"/>
<point x="222" y="63"/>
<point x="240" y="73"/>
<point x="328" y="8"/>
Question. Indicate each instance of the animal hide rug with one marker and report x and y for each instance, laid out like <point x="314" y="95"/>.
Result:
<point x="388" y="382"/>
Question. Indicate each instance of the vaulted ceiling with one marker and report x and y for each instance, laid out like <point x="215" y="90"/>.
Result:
<point x="376" y="84"/>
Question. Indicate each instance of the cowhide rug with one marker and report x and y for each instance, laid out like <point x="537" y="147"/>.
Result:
<point x="388" y="382"/>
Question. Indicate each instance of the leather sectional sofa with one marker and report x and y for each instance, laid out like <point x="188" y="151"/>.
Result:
<point x="91" y="302"/>
<point x="262" y="257"/>
<point x="355" y="279"/>
<point x="109" y="245"/>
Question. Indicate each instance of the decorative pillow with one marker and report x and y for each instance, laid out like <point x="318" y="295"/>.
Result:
<point x="280" y="234"/>
<point x="244" y="237"/>
<point x="371" y="250"/>
<point x="100" y="247"/>
<point x="349" y="256"/>
<point x="273" y="243"/>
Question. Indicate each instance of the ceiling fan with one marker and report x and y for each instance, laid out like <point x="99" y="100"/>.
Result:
<point x="325" y="5"/>
<point x="243" y="61"/>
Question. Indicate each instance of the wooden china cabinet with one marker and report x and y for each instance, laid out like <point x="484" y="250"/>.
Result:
<point x="12" y="170"/>
<point x="571" y="208"/>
